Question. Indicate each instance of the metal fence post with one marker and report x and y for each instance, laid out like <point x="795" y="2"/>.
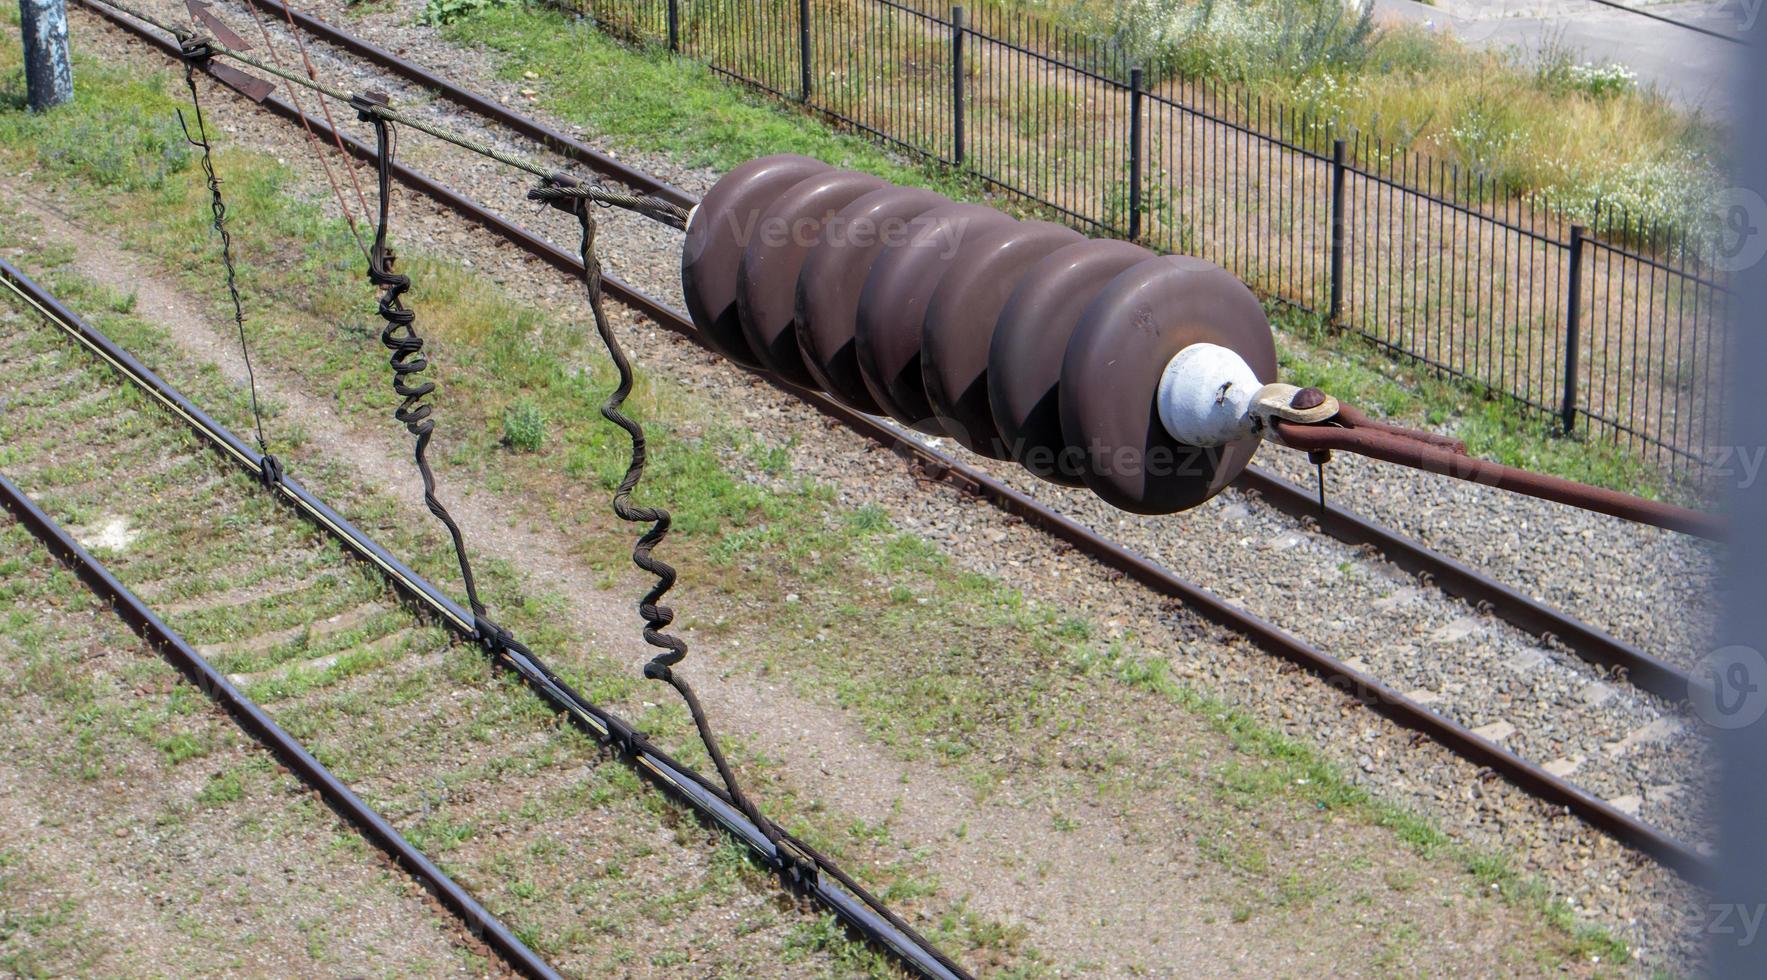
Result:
<point x="49" y="77"/>
<point x="675" y="26"/>
<point x="957" y="85"/>
<point x="1337" y="231"/>
<point x="1573" y="329"/>
<point x="804" y="50"/>
<point x="1135" y="163"/>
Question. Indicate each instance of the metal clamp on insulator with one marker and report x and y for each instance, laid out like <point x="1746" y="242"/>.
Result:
<point x="1288" y="403"/>
<point x="1306" y="406"/>
<point x="368" y="104"/>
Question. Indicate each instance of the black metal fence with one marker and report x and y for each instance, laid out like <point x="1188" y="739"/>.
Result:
<point x="1617" y="331"/>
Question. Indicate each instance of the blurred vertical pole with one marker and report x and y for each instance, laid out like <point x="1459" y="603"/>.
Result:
<point x="675" y="26"/>
<point x="49" y="78"/>
<point x="804" y="51"/>
<point x="1736" y="918"/>
<point x="957" y="85"/>
<point x="1136" y="164"/>
<point x="1573" y="331"/>
<point x="1337" y="232"/>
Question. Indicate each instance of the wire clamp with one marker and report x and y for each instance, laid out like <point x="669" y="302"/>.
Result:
<point x="794" y="865"/>
<point x="194" y="48"/>
<point x="492" y="637"/>
<point x="270" y="471"/>
<point x="369" y="104"/>
<point x="626" y="740"/>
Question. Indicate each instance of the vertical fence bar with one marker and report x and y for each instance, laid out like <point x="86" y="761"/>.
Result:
<point x="675" y="26"/>
<point x="803" y="50"/>
<point x="1573" y="316"/>
<point x="1135" y="161"/>
<point x="957" y="85"/>
<point x="1337" y="231"/>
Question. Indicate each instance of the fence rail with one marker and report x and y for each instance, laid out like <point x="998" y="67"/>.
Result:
<point x="1614" y="329"/>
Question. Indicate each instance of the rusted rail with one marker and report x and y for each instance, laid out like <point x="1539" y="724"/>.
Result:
<point x="253" y="719"/>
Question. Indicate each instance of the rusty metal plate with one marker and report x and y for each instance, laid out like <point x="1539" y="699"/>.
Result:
<point x="833" y="276"/>
<point x="767" y="278"/>
<point x="892" y="306"/>
<point x="960" y="324"/>
<point x="1111" y="372"/>
<point x="716" y="238"/>
<point x="1030" y="338"/>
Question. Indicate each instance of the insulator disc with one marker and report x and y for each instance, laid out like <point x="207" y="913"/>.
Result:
<point x="1111" y="373"/>
<point x="716" y="237"/>
<point x="1030" y="338"/>
<point x="833" y="276"/>
<point x="892" y="306"/>
<point x="960" y="322"/>
<point x="767" y="278"/>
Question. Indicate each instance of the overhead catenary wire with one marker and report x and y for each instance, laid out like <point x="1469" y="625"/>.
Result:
<point x="657" y="209"/>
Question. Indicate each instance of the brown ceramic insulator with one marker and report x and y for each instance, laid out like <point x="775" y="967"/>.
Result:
<point x="767" y="277"/>
<point x="892" y="306"/>
<point x="1030" y="338"/>
<point x="834" y="275"/>
<point x="1110" y="377"/>
<point x="960" y="322"/>
<point x="716" y="237"/>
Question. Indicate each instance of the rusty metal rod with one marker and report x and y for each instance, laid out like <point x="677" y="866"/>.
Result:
<point x="1400" y="447"/>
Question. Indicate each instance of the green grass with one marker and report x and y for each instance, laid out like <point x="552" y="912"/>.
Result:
<point x="1535" y="119"/>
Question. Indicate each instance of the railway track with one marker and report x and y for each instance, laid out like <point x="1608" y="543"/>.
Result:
<point x="1643" y="670"/>
<point x="189" y="497"/>
<point x="316" y="623"/>
<point x="1648" y="673"/>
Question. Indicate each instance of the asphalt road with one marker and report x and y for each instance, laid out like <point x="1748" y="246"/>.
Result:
<point x="1697" y="71"/>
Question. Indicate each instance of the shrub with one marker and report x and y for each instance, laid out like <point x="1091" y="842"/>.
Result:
<point x="128" y="140"/>
<point x="524" y="427"/>
<point x="439" y="12"/>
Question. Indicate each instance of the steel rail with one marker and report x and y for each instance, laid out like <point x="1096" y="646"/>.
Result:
<point x="1677" y="855"/>
<point x="257" y="723"/>
<point x="1645" y="671"/>
<point x="841" y="895"/>
<point x="559" y="142"/>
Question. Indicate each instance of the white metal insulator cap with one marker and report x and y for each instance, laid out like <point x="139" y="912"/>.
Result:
<point x="1205" y="396"/>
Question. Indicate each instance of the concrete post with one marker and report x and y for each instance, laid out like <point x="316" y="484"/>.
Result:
<point x="49" y="77"/>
